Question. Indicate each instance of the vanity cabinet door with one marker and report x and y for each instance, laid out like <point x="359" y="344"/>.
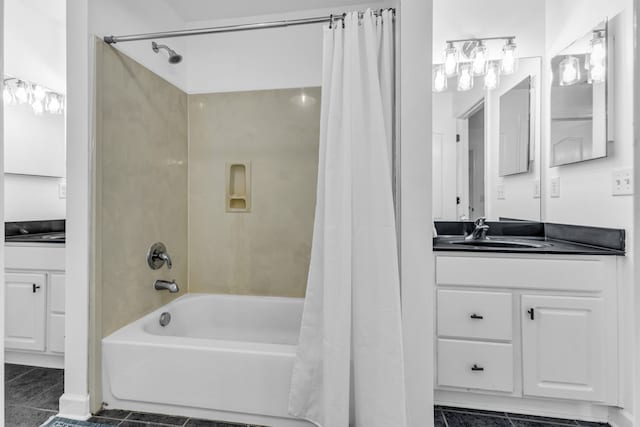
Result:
<point x="563" y="347"/>
<point x="25" y="304"/>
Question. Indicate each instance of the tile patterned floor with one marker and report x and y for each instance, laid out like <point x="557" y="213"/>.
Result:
<point x="31" y="394"/>
<point x="458" y="417"/>
<point x="32" y="398"/>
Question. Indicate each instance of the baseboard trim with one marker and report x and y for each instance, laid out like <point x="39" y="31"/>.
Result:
<point x="44" y="360"/>
<point x="75" y="406"/>
<point x="620" y="417"/>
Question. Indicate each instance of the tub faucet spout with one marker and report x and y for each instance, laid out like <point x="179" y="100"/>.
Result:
<point x="161" y="285"/>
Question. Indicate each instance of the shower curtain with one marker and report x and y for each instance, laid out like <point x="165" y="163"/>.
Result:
<point x="349" y="366"/>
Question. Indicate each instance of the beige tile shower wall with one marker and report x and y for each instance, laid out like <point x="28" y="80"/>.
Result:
<point x="141" y="186"/>
<point x="265" y="251"/>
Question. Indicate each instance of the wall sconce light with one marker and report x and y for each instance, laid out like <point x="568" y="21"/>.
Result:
<point x="569" y="71"/>
<point x="465" y="77"/>
<point x="439" y="78"/>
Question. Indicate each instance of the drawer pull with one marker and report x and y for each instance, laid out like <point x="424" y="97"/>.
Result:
<point x="35" y="288"/>
<point x="532" y="313"/>
<point x="476" y="316"/>
<point x="477" y="368"/>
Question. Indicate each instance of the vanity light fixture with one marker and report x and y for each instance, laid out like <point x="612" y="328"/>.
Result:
<point x="492" y="77"/>
<point x="465" y="77"/>
<point x="569" y="71"/>
<point x="479" y="59"/>
<point x="40" y="98"/>
<point x="509" y="63"/>
<point x="472" y="60"/>
<point x="439" y="78"/>
<point x="451" y="60"/>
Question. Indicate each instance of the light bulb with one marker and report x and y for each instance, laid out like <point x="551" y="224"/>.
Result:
<point x="465" y="78"/>
<point x="597" y="58"/>
<point x="569" y="71"/>
<point x="21" y="93"/>
<point x="479" y="59"/>
<point x="38" y="92"/>
<point x="439" y="78"/>
<point x="597" y="49"/>
<point x="7" y="94"/>
<point x="597" y="73"/>
<point x="492" y="77"/>
<point x="38" y="107"/>
<point x="509" y="58"/>
<point x="451" y="60"/>
<point x="53" y="104"/>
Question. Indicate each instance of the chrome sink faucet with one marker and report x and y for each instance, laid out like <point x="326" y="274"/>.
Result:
<point x="481" y="230"/>
<point x="161" y="285"/>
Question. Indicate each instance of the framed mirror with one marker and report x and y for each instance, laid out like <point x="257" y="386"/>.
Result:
<point x="579" y="104"/>
<point x="486" y="148"/>
<point x="515" y="129"/>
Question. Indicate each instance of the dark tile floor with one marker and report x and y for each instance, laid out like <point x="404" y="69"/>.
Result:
<point x="32" y="398"/>
<point x="139" y="419"/>
<point x="31" y="394"/>
<point x="457" y="417"/>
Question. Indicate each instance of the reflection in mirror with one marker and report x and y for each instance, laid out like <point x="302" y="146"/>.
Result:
<point x="579" y="100"/>
<point x="515" y="127"/>
<point x="486" y="146"/>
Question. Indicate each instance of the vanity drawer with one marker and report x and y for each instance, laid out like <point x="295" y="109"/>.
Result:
<point x="475" y="315"/>
<point x="475" y="365"/>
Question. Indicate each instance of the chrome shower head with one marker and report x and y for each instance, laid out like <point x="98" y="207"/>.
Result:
<point x="174" y="57"/>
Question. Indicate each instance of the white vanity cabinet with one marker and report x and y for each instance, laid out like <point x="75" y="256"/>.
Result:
<point x="526" y="327"/>
<point x="34" y="304"/>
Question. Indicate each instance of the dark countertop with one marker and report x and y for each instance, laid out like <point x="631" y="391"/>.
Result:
<point x="551" y="238"/>
<point x="52" y="231"/>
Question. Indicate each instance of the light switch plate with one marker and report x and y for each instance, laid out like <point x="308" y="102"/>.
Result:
<point x="536" y="189"/>
<point x="622" y="182"/>
<point x="500" y="191"/>
<point x="62" y="190"/>
<point x="555" y="187"/>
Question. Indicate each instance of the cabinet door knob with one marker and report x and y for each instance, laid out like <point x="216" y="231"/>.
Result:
<point x="35" y="288"/>
<point x="475" y="367"/>
<point x="532" y="313"/>
<point x="476" y="316"/>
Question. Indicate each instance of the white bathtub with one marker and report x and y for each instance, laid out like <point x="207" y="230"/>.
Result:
<point x="221" y="357"/>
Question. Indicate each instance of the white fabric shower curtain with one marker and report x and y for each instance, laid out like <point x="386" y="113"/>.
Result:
<point x="349" y="368"/>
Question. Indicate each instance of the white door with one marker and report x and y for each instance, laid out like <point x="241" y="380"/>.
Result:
<point x="563" y="347"/>
<point x="25" y="304"/>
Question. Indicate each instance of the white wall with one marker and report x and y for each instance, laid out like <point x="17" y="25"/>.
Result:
<point x="276" y="58"/>
<point x="31" y="198"/>
<point x="519" y="201"/>
<point x="35" y="51"/>
<point x="124" y="17"/>
<point x="585" y="188"/>
<point x="462" y="19"/>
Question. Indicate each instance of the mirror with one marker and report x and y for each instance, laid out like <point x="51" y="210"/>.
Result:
<point x="579" y="100"/>
<point x="515" y="129"/>
<point x="486" y="148"/>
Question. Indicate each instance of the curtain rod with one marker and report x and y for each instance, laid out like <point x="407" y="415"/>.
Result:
<point x="228" y="28"/>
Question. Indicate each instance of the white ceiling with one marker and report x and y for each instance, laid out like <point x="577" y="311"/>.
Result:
<point x="202" y="10"/>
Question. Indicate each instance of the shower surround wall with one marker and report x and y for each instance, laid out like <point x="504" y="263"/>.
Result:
<point x="141" y="187"/>
<point x="161" y="160"/>
<point x="265" y="251"/>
